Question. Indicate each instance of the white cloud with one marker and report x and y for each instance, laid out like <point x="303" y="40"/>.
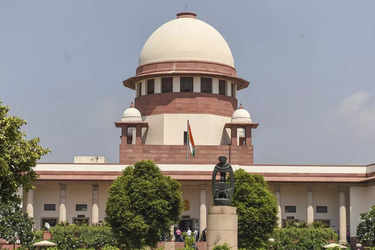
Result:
<point x="358" y="110"/>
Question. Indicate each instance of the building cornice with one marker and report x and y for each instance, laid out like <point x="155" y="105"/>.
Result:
<point x="195" y="172"/>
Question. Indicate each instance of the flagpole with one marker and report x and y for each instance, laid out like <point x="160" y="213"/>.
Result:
<point x="187" y="139"/>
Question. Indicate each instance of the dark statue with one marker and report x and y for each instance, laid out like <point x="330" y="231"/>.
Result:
<point x="223" y="188"/>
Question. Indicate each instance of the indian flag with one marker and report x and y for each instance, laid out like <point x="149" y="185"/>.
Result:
<point x="190" y="140"/>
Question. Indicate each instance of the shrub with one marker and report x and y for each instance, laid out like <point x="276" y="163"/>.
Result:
<point x="302" y="238"/>
<point x="189" y="242"/>
<point x="83" y="236"/>
<point x="222" y="247"/>
<point x="366" y="228"/>
<point x="107" y="247"/>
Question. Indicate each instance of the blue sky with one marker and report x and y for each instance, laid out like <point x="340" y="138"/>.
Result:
<point x="310" y="64"/>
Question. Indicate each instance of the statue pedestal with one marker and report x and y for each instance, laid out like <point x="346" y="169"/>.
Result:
<point x="222" y="227"/>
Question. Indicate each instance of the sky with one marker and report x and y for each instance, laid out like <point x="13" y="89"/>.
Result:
<point x="311" y="67"/>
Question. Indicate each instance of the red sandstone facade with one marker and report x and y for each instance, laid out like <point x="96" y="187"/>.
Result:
<point x="186" y="103"/>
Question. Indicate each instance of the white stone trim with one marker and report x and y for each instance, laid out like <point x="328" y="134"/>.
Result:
<point x="176" y="84"/>
<point x="157" y="88"/>
<point x="301" y="169"/>
<point x="143" y="92"/>
<point x="215" y="86"/>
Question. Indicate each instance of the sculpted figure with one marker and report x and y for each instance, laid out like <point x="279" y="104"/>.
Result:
<point x="222" y="187"/>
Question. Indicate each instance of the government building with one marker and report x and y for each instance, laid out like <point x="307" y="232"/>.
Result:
<point x="186" y="74"/>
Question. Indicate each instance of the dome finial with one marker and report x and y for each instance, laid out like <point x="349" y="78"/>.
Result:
<point x="240" y="107"/>
<point x="132" y="105"/>
<point x="186" y="14"/>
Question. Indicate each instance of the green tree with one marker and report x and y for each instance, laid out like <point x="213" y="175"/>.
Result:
<point x="256" y="209"/>
<point x="142" y="205"/>
<point x="14" y="224"/>
<point x="366" y="228"/>
<point x="18" y="156"/>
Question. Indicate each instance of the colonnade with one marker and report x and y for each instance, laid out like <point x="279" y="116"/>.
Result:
<point x="62" y="205"/>
<point x="310" y="211"/>
<point x="310" y="214"/>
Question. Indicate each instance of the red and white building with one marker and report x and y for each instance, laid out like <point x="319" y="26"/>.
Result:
<point x="186" y="72"/>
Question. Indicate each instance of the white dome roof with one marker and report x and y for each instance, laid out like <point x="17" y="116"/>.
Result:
<point x="241" y="115"/>
<point x="131" y="115"/>
<point x="186" y="39"/>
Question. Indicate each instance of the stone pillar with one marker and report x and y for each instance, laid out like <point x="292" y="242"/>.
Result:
<point x="138" y="135"/>
<point x="248" y="135"/>
<point x="30" y="203"/>
<point x="203" y="212"/>
<point x="222" y="227"/>
<point x="95" y="204"/>
<point x="342" y="217"/>
<point x="310" y="208"/>
<point x="233" y="135"/>
<point x="279" y="215"/>
<point x="62" y="206"/>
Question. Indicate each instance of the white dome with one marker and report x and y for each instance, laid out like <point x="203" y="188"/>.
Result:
<point x="131" y="115"/>
<point x="186" y="39"/>
<point x="241" y="115"/>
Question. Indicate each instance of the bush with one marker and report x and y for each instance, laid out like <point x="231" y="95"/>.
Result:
<point x="302" y="238"/>
<point x="110" y="248"/>
<point x="76" y="237"/>
<point x="222" y="247"/>
<point x="366" y="228"/>
<point x="189" y="242"/>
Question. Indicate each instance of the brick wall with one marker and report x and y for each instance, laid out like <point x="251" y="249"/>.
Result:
<point x="171" y="154"/>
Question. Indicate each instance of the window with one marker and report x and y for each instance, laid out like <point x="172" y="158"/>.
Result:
<point x="322" y="209"/>
<point x="206" y="85"/>
<point x="234" y="86"/>
<point x="51" y="221"/>
<point x="222" y="87"/>
<point x="139" y="85"/>
<point x="81" y="207"/>
<point x="49" y="207"/>
<point x="185" y="138"/>
<point x="150" y="86"/>
<point x="290" y="209"/>
<point x="166" y="84"/>
<point x="186" y="84"/>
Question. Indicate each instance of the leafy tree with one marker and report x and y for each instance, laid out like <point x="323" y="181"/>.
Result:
<point x="14" y="224"/>
<point x="18" y="153"/>
<point x="366" y="228"/>
<point x="17" y="158"/>
<point x="142" y="205"/>
<point x="256" y="209"/>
